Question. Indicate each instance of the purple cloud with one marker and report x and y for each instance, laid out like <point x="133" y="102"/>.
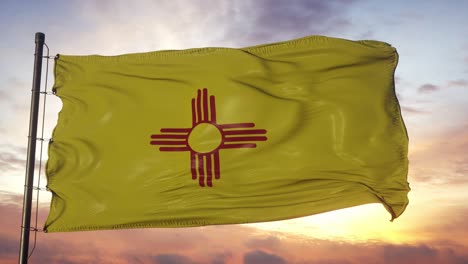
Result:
<point x="408" y="254"/>
<point x="8" y="247"/>
<point x="274" y="20"/>
<point x="261" y="257"/>
<point x="427" y="88"/>
<point x="331" y="261"/>
<point x="13" y="158"/>
<point x="205" y="245"/>
<point x="399" y="254"/>
<point x="221" y="258"/>
<point x="172" y="259"/>
<point x="460" y="82"/>
<point x="270" y="243"/>
<point x="412" y="110"/>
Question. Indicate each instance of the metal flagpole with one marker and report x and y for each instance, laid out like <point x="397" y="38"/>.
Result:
<point x="31" y="158"/>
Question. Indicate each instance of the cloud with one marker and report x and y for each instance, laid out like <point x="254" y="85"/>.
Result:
<point x="427" y="88"/>
<point x="15" y="98"/>
<point x="460" y="82"/>
<point x="406" y="254"/>
<point x="14" y="116"/>
<point x="211" y="23"/>
<point x="231" y="244"/>
<point x="331" y="261"/>
<point x="8" y="198"/>
<point x="446" y="230"/>
<point x="8" y="246"/>
<point x="13" y="162"/>
<point x="277" y="19"/>
<point x="261" y="257"/>
<point x="270" y="243"/>
<point x="172" y="259"/>
<point x="448" y="151"/>
<point x="461" y="166"/>
<point x="221" y="258"/>
<point x="411" y="110"/>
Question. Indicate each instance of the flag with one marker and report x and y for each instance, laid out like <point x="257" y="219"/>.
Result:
<point x="211" y="136"/>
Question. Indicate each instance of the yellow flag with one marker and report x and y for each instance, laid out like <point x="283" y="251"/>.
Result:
<point x="223" y="136"/>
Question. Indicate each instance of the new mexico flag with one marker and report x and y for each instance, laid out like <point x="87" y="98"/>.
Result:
<point x="223" y="136"/>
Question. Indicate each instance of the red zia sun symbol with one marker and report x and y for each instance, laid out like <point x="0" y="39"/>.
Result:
<point x="206" y="137"/>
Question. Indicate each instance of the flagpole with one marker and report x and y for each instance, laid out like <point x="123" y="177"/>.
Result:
<point x="31" y="157"/>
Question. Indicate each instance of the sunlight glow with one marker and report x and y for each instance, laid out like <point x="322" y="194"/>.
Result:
<point x="357" y="224"/>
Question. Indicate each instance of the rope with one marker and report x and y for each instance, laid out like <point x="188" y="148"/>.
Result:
<point x="41" y="139"/>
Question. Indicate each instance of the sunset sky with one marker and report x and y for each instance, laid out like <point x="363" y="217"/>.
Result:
<point x="431" y="38"/>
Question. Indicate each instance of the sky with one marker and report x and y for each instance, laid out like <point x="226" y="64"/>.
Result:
<point x="431" y="85"/>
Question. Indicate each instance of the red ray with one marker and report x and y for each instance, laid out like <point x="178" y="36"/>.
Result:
<point x="213" y="109"/>
<point x="236" y="139"/>
<point x="169" y="136"/>
<point x="199" y="114"/>
<point x="162" y="142"/>
<point x="194" y="114"/>
<point x="201" y="176"/>
<point x="237" y="125"/>
<point x="209" y="176"/>
<point x="216" y="164"/>
<point x="175" y="130"/>
<point x="246" y="145"/>
<point x="244" y="132"/>
<point x="205" y="104"/>
<point x="173" y="148"/>
<point x="193" y="166"/>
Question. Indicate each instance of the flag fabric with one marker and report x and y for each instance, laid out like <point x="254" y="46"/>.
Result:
<point x="212" y="136"/>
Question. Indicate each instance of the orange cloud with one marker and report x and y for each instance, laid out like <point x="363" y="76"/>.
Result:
<point x="442" y="158"/>
<point x="460" y="82"/>
<point x="223" y="245"/>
